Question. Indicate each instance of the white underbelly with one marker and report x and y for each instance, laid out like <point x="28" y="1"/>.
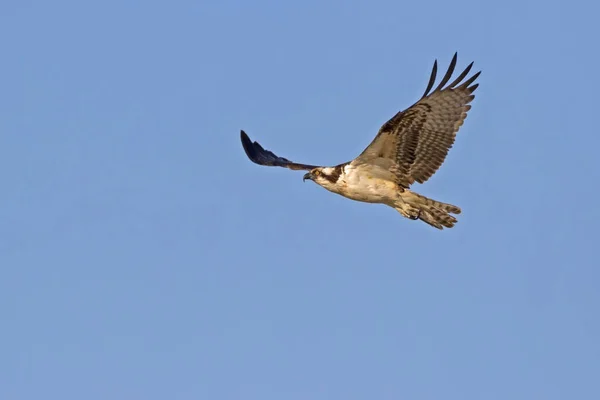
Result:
<point x="370" y="190"/>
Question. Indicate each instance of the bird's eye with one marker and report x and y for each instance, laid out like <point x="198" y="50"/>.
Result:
<point x="317" y="173"/>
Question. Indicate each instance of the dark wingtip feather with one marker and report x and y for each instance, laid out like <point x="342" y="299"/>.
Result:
<point x="248" y="147"/>
<point x="461" y="76"/>
<point x="449" y="73"/>
<point x="259" y="155"/>
<point x="470" y="80"/>
<point x="245" y="139"/>
<point x="256" y="153"/>
<point x="431" y="79"/>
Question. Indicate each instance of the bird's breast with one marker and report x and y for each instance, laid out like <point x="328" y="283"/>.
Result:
<point x="363" y="186"/>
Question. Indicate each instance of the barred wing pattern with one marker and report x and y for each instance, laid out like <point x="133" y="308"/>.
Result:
<point x="414" y="143"/>
<point x="257" y="154"/>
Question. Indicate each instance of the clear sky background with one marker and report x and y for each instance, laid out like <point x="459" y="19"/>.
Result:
<point x="143" y="256"/>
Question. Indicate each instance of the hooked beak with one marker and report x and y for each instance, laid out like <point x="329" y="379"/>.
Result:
<point x="307" y="176"/>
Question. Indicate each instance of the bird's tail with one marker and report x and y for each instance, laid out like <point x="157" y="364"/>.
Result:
<point x="432" y="212"/>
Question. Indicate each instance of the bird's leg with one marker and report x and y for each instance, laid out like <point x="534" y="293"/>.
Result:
<point x="409" y="211"/>
<point x="413" y="216"/>
<point x="414" y="213"/>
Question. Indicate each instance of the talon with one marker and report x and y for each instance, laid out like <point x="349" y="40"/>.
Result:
<point x="415" y="217"/>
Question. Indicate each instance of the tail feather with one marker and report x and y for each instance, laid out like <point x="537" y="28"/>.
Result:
<point x="420" y="200"/>
<point x="432" y="212"/>
<point x="437" y="218"/>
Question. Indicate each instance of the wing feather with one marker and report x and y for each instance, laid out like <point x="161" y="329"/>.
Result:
<point x="257" y="154"/>
<point x="449" y="73"/>
<point x="415" y="142"/>
<point x="431" y="79"/>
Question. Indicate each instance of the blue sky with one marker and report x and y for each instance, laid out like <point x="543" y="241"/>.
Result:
<point x="142" y="255"/>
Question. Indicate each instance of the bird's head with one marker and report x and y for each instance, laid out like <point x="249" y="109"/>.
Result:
<point x="323" y="176"/>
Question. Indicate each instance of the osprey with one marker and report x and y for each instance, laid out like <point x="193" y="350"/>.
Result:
<point x="408" y="148"/>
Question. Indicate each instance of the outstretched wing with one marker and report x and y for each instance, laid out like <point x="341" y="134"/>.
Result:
<point x="414" y="143"/>
<point x="256" y="153"/>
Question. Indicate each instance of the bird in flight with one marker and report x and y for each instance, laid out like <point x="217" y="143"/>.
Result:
<point x="408" y="148"/>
